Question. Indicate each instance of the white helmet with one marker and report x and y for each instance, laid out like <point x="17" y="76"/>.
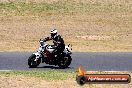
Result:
<point x="53" y="33"/>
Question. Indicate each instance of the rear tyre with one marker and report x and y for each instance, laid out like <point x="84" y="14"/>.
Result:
<point x="65" y="62"/>
<point x="32" y="63"/>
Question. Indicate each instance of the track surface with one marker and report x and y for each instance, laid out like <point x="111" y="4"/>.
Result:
<point x="100" y="61"/>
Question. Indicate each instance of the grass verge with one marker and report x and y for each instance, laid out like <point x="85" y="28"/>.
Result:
<point x="48" y="75"/>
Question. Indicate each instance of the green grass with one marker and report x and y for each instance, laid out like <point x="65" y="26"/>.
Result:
<point x="22" y="8"/>
<point x="48" y="75"/>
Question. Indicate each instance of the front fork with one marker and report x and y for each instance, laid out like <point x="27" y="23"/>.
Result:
<point x="38" y="55"/>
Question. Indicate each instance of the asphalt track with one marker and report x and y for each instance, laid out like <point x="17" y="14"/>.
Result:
<point x="97" y="61"/>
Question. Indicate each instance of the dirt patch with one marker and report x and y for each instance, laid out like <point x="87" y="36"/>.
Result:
<point x="99" y="26"/>
<point x="94" y="37"/>
<point x="31" y="82"/>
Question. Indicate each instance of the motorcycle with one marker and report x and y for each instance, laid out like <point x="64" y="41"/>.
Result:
<point x="45" y="54"/>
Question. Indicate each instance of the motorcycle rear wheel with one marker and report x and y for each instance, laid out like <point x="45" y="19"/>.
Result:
<point x="65" y="62"/>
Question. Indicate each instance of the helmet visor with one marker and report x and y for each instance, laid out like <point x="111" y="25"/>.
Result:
<point x="53" y="34"/>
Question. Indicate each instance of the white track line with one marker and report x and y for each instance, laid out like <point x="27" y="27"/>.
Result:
<point x="5" y="70"/>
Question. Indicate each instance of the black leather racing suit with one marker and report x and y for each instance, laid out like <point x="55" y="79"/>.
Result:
<point x="59" y="44"/>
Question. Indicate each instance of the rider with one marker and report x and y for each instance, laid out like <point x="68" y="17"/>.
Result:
<point x="58" y="41"/>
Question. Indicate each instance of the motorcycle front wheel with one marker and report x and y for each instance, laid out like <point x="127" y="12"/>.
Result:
<point x="31" y="61"/>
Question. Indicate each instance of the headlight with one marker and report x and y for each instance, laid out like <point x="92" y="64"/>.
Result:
<point x="41" y="43"/>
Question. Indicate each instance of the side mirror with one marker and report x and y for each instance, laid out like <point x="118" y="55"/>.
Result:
<point x="68" y="45"/>
<point x="41" y="40"/>
<point x="71" y="47"/>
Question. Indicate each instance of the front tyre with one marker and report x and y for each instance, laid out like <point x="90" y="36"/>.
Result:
<point x="65" y="62"/>
<point x="31" y="61"/>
